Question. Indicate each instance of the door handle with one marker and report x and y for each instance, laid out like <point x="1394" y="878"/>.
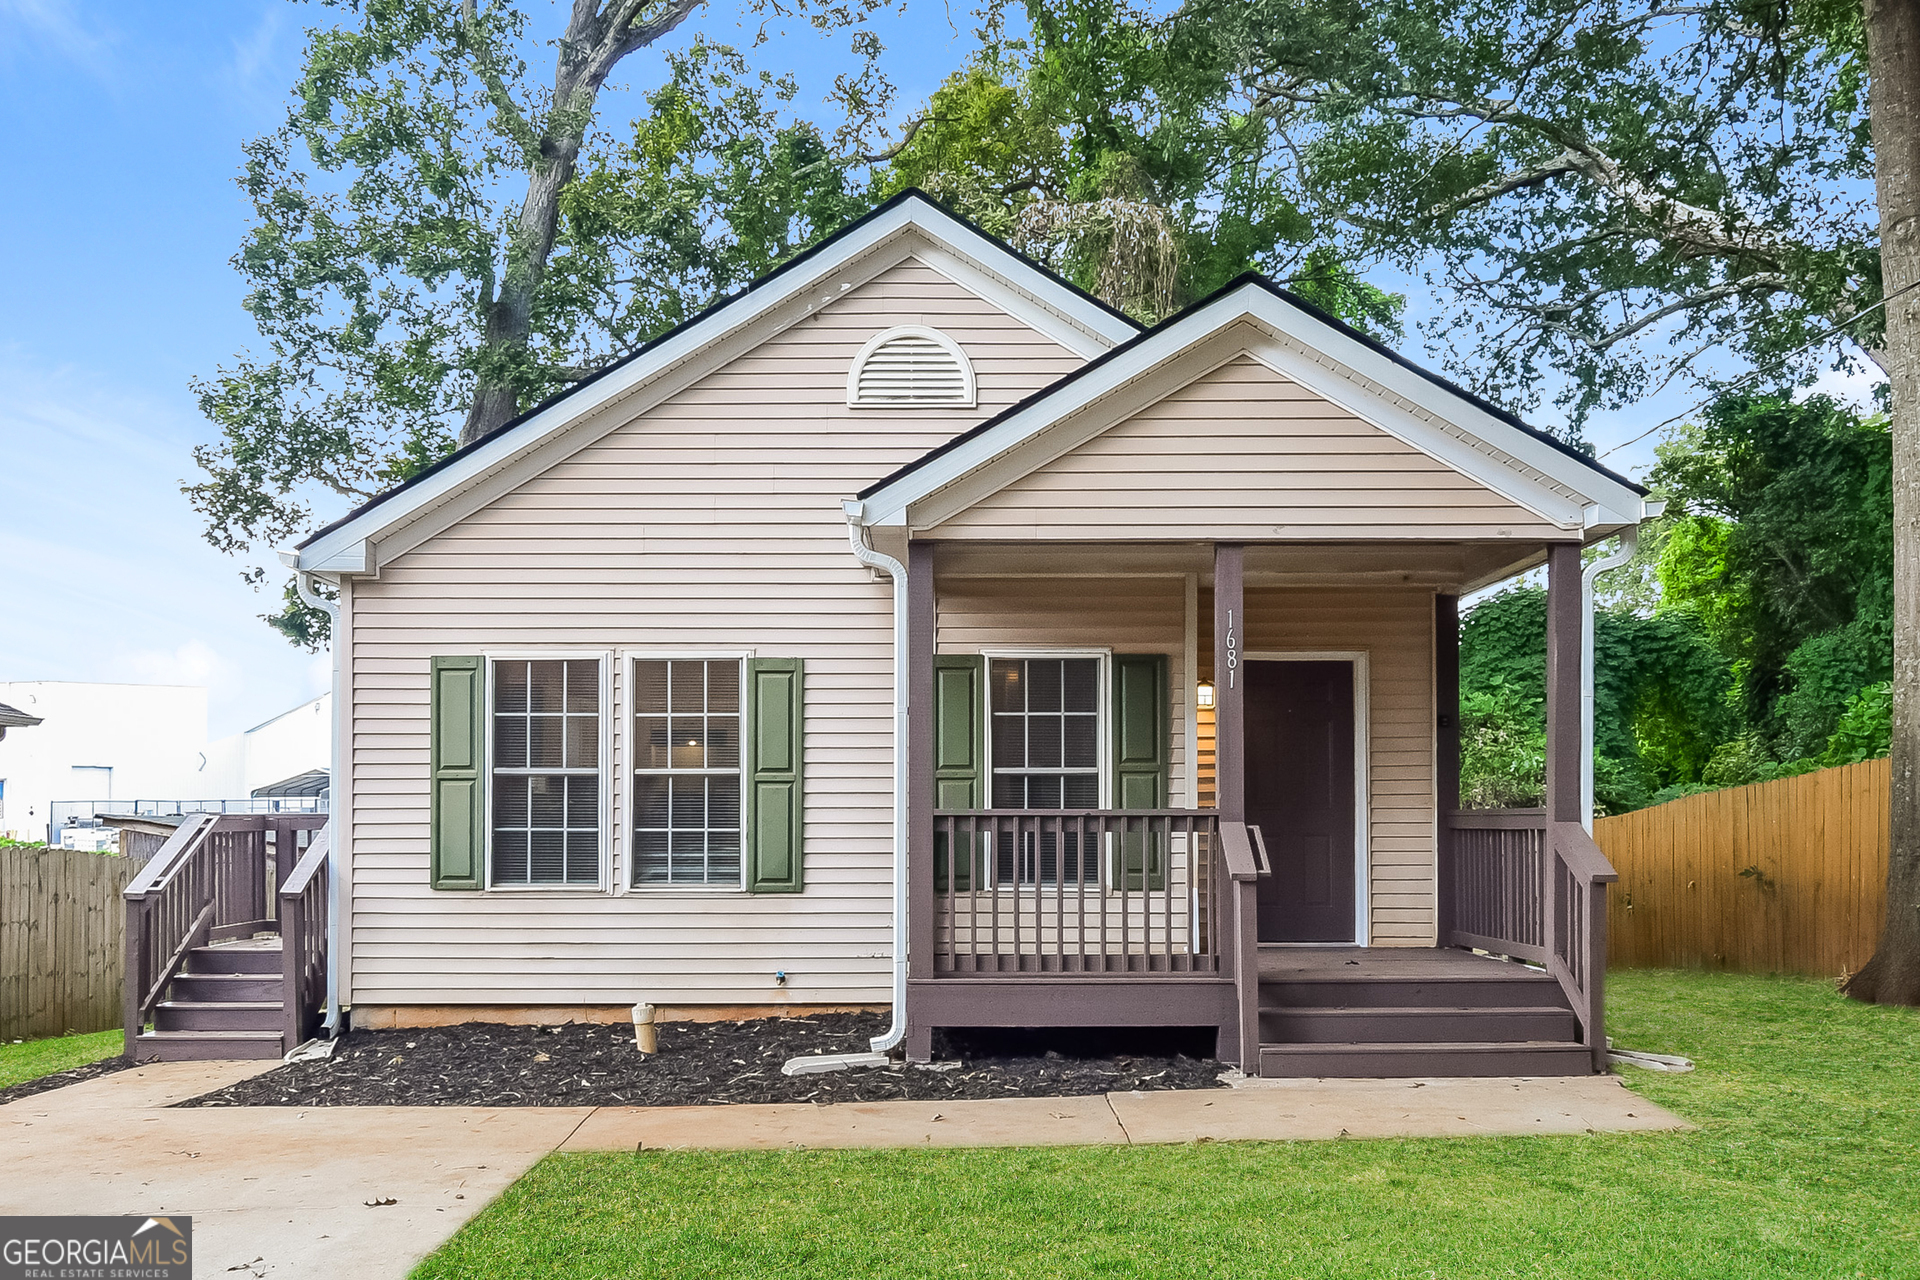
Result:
<point x="1260" y="850"/>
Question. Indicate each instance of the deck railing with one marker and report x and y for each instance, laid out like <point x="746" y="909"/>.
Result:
<point x="1107" y="891"/>
<point x="1535" y="890"/>
<point x="303" y="943"/>
<point x="216" y="878"/>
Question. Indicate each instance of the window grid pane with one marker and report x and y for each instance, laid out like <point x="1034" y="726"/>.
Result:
<point x="546" y="771"/>
<point x="686" y="784"/>
<point x="1046" y="731"/>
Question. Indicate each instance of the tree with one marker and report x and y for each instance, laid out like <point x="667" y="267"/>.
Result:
<point x="438" y="244"/>
<point x="1892" y="27"/>
<point x="1613" y="188"/>
<point x="1075" y="148"/>
<point x="1780" y="542"/>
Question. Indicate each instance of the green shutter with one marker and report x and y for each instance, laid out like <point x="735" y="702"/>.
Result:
<point x="458" y="771"/>
<point x="775" y="746"/>
<point x="959" y="746"/>
<point x="1141" y="763"/>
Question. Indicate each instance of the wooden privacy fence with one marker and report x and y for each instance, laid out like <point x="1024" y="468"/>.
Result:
<point x="62" y="948"/>
<point x="1780" y="877"/>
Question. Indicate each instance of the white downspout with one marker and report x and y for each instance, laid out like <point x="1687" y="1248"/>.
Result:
<point x="1629" y="543"/>
<point x="857" y="535"/>
<point x="303" y="583"/>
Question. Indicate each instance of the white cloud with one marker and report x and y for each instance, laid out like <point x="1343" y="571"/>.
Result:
<point x="194" y="662"/>
<point x="54" y="26"/>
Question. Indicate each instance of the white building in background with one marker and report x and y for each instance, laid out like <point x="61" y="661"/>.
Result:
<point x="119" y="743"/>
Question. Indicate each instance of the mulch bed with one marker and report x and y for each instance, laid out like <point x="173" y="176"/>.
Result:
<point x="488" y="1065"/>
<point x="59" y="1079"/>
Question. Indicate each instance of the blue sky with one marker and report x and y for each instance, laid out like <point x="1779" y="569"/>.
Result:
<point x="125" y="123"/>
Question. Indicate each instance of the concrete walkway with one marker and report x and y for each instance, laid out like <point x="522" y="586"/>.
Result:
<point x="285" y="1191"/>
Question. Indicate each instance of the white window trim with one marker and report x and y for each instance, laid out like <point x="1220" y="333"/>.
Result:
<point x="968" y="400"/>
<point x="1362" y="779"/>
<point x="605" y="852"/>
<point x="1104" y="709"/>
<point x="622" y="880"/>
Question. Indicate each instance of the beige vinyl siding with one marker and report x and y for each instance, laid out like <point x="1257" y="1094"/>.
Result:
<point x="1395" y="629"/>
<point x="1125" y="615"/>
<point x="711" y="524"/>
<point x="1244" y="453"/>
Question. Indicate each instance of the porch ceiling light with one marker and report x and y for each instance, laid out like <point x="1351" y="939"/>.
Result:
<point x="1203" y="694"/>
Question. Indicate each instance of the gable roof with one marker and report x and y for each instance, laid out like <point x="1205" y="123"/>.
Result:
<point x="1346" y="366"/>
<point x="1050" y="303"/>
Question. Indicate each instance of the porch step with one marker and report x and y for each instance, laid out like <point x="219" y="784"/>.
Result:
<point x="259" y="956"/>
<point x="1434" y="1058"/>
<point x="225" y="988"/>
<point x="1418" y="1025"/>
<point x="197" y="1046"/>
<point x="1521" y="989"/>
<point x="218" y="1015"/>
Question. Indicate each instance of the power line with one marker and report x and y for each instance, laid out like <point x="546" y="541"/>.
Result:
<point x="1758" y="373"/>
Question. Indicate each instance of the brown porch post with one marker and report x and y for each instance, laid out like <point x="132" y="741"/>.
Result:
<point x="1229" y="681"/>
<point x="920" y="793"/>
<point x="1239" y="1040"/>
<point x="1446" y="755"/>
<point x="1563" y="682"/>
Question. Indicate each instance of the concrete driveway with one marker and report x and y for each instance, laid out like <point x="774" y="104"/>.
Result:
<point x="366" y="1192"/>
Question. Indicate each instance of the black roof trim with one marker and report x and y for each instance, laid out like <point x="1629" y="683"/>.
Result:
<point x="1291" y="299"/>
<point x="719" y="304"/>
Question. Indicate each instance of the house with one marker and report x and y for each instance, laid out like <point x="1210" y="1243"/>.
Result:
<point x="912" y="630"/>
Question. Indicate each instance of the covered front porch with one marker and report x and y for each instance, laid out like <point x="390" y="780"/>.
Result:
<point x="1269" y="843"/>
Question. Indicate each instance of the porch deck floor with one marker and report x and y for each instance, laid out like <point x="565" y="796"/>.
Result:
<point x="1284" y="963"/>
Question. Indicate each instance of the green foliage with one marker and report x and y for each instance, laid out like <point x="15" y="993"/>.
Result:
<point x="1079" y="147"/>
<point x="1865" y="730"/>
<point x="1782" y="549"/>
<point x="1659" y="700"/>
<point x="1611" y="187"/>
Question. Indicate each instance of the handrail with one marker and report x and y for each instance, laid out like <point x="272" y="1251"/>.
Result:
<point x="309" y="865"/>
<point x="1496" y="819"/>
<point x="1237" y="849"/>
<point x="170" y="853"/>
<point x="1582" y="856"/>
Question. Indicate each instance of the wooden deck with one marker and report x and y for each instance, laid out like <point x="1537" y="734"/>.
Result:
<point x="1283" y="963"/>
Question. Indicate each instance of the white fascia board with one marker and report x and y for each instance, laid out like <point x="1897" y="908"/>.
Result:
<point x="1334" y="365"/>
<point x="1050" y="307"/>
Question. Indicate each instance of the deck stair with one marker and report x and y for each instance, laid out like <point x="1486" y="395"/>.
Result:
<point x="225" y="1002"/>
<point x="1396" y="1012"/>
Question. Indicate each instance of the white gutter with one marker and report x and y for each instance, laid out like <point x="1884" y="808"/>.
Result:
<point x="863" y="550"/>
<point x="303" y="583"/>
<point x="1629" y="543"/>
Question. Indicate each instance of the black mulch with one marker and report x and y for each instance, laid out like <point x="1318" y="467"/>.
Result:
<point x="27" y="1088"/>
<point x="485" y="1064"/>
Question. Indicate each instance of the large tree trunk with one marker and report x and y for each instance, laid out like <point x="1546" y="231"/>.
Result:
<point x="1893" y="47"/>
<point x="596" y="39"/>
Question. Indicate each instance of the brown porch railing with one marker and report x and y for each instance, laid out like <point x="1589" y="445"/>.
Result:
<point x="214" y="879"/>
<point x="303" y="943"/>
<point x="1525" y="887"/>
<point x="1107" y="891"/>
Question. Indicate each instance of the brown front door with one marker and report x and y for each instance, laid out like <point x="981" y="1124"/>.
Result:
<point x="1300" y="794"/>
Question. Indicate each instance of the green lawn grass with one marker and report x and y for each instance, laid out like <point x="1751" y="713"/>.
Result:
<point x="1807" y="1163"/>
<point x="32" y="1059"/>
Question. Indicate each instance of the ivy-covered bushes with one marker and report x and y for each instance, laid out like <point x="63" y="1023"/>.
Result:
<point x="1764" y="644"/>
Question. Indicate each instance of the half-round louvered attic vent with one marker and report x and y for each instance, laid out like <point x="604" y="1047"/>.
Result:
<point x="908" y="368"/>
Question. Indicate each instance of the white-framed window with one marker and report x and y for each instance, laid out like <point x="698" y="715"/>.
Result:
<point x="910" y="366"/>
<point x="687" y="771"/>
<point x="1046" y="730"/>
<point x="1046" y="744"/>
<point x="546" y="767"/>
